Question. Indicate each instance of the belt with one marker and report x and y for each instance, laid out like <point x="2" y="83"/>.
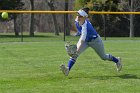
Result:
<point x="93" y="38"/>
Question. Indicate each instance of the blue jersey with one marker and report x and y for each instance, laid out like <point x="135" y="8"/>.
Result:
<point x="87" y="31"/>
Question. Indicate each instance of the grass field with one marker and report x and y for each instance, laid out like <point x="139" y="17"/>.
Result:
<point x="32" y="66"/>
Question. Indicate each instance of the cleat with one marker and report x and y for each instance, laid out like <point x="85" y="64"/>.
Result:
<point x="118" y="64"/>
<point x="64" y="69"/>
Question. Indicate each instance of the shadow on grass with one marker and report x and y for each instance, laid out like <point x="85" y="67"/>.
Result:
<point x="128" y="76"/>
<point x="125" y="76"/>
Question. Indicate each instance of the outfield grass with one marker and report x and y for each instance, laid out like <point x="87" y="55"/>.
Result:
<point x="33" y="67"/>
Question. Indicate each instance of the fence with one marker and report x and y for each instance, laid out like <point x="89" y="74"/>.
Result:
<point x="65" y="13"/>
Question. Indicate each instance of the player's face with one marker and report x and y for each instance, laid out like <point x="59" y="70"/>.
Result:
<point x="80" y="18"/>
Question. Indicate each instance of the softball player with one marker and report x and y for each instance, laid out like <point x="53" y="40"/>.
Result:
<point x="89" y="38"/>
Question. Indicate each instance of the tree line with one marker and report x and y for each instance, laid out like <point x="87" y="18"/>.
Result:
<point x="109" y="25"/>
<point x="114" y="25"/>
<point x="36" y="22"/>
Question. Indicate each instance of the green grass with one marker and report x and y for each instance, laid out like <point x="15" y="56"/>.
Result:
<point x="32" y="66"/>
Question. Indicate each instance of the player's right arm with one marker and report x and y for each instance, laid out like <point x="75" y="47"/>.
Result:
<point x="78" y="27"/>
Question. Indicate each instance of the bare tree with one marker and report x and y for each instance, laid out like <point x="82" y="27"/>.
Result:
<point x="67" y="27"/>
<point x="52" y="8"/>
<point x="16" y="30"/>
<point x="132" y="6"/>
<point x="32" y="19"/>
<point x="131" y="19"/>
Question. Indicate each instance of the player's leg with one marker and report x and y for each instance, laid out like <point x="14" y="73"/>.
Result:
<point x="98" y="46"/>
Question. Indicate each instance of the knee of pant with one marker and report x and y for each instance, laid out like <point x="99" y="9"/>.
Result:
<point x="103" y="58"/>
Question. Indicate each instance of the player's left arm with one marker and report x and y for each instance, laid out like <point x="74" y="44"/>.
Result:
<point x="82" y="38"/>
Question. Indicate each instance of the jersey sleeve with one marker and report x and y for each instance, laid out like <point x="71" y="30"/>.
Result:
<point x="84" y="32"/>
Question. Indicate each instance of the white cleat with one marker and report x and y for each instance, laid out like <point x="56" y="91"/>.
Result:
<point x="64" y="69"/>
<point x="118" y="64"/>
